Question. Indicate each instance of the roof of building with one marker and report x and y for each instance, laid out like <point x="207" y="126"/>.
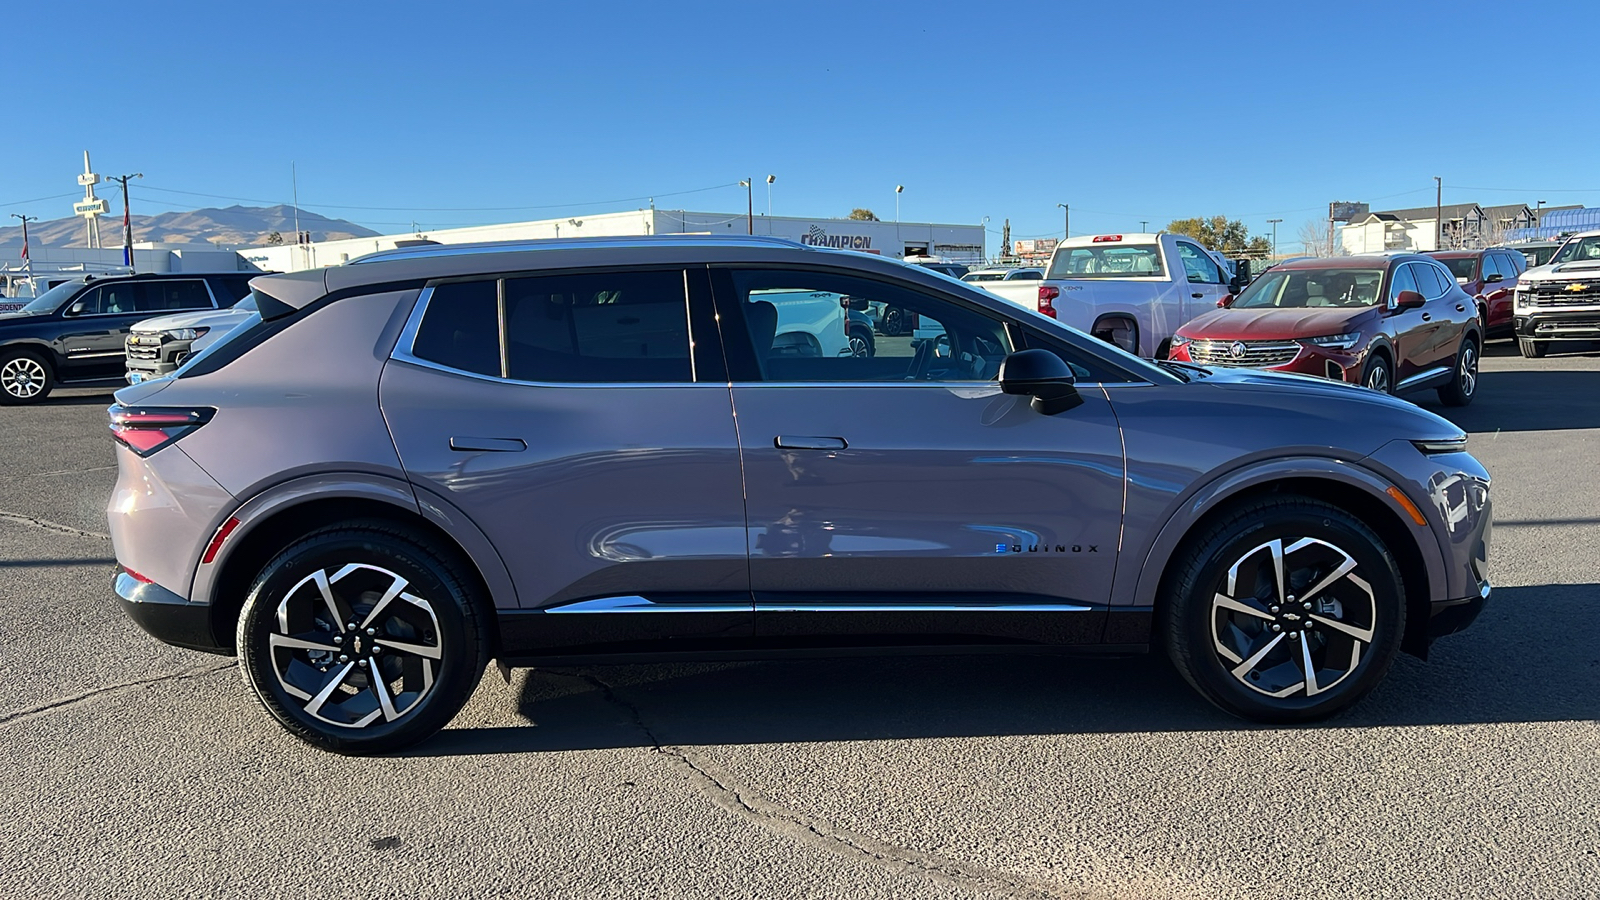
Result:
<point x="1427" y="213"/>
<point x="1507" y="211"/>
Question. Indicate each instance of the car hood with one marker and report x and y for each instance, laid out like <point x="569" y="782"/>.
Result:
<point x="205" y="318"/>
<point x="1336" y="403"/>
<point x="1566" y="271"/>
<point x="1266" y="324"/>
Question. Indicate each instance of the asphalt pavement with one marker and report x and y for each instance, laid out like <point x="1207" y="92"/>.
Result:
<point x="133" y="769"/>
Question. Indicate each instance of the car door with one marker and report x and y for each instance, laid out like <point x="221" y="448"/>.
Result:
<point x="1444" y="316"/>
<point x="567" y="417"/>
<point x="1207" y="286"/>
<point x="95" y="325"/>
<point x="903" y="498"/>
<point x="1408" y="330"/>
<point x="1497" y="296"/>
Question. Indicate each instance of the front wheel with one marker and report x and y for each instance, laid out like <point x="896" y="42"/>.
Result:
<point x="1463" y="384"/>
<point x="24" y="378"/>
<point x="1287" y="610"/>
<point x="361" y="638"/>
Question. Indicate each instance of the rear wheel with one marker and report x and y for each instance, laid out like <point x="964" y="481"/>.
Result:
<point x="1532" y="349"/>
<point x="1119" y="332"/>
<point x="860" y="343"/>
<point x="1286" y="610"/>
<point x="24" y="378"/>
<point x="1464" y="380"/>
<point x="361" y="638"/>
<point x="893" y="323"/>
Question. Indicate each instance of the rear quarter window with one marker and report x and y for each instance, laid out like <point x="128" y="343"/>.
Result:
<point x="461" y="328"/>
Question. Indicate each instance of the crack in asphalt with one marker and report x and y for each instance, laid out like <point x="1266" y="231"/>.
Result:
<point x="30" y="712"/>
<point x="775" y="817"/>
<point x="47" y="525"/>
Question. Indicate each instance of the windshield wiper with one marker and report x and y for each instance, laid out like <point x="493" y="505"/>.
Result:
<point x="1177" y="369"/>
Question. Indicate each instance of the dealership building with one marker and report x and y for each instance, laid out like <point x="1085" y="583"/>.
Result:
<point x="954" y="243"/>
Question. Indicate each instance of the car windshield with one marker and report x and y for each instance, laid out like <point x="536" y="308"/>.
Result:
<point x="1312" y="288"/>
<point x="50" y="300"/>
<point x="1581" y="249"/>
<point x="984" y="276"/>
<point x="1461" y="267"/>
<point x="1107" y="261"/>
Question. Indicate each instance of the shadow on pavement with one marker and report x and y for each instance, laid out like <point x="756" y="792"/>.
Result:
<point x="1523" y="661"/>
<point x="1526" y="400"/>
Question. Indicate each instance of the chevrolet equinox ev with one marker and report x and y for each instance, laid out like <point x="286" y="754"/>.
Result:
<point x="574" y="452"/>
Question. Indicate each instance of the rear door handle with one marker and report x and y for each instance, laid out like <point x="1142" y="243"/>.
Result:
<point x="492" y="445"/>
<point x="1461" y="307"/>
<point x="1427" y="317"/>
<point x="1197" y="296"/>
<point x="808" y="442"/>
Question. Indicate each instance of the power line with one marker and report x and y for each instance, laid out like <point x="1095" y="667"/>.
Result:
<point x="715" y="187"/>
<point x="37" y="199"/>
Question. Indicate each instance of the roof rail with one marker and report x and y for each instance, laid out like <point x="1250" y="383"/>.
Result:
<point x="694" y="240"/>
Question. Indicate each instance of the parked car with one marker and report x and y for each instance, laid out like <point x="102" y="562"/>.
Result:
<point x="157" y="347"/>
<point x="1489" y="277"/>
<point x="1560" y="301"/>
<point x="1536" y="253"/>
<point x="1131" y="290"/>
<point x="73" y="334"/>
<point x="1394" y="323"/>
<point x="564" y="452"/>
<point x="1003" y="273"/>
<point x="943" y="267"/>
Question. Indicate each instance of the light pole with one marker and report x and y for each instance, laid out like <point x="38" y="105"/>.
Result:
<point x="1142" y="224"/>
<point x="1438" y="213"/>
<point x="749" y="205"/>
<point x="1066" y="221"/>
<point x="127" y="220"/>
<point x="26" y="259"/>
<point x="770" y="180"/>
<point x="1274" y="236"/>
<point x="984" y="224"/>
<point x="898" y="190"/>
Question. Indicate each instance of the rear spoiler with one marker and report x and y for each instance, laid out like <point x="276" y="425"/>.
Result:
<point x="279" y="295"/>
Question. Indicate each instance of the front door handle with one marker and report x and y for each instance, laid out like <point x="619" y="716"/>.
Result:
<point x="1461" y="307"/>
<point x="491" y="445"/>
<point x="808" y="442"/>
<point x="1197" y="296"/>
<point x="1427" y="317"/>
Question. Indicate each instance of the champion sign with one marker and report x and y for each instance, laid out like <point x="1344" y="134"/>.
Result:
<point x="817" y="237"/>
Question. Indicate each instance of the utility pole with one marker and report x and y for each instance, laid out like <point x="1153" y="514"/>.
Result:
<point x="770" y="180"/>
<point x="27" y="260"/>
<point x="1142" y="224"/>
<point x="1439" y="213"/>
<point x="749" y="205"/>
<point x="1066" y="221"/>
<point x="127" y="219"/>
<point x="1274" y="236"/>
<point x="898" y="190"/>
<point x="1005" y="239"/>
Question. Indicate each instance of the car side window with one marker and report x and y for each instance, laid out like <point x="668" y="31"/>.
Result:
<point x="171" y="296"/>
<point x="108" y="299"/>
<point x="1435" y="280"/>
<point x="86" y="304"/>
<point x="1400" y="282"/>
<point x="1198" y="265"/>
<point x="461" y="328"/>
<point x="1519" y="263"/>
<point x="796" y="324"/>
<point x="1491" y="266"/>
<point x="598" y="327"/>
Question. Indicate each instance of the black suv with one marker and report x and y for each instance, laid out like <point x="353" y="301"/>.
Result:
<point x="73" y="333"/>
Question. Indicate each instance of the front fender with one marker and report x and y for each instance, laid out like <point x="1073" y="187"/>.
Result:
<point x="1144" y="568"/>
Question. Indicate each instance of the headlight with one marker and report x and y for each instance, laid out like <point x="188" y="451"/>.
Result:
<point x="185" y="334"/>
<point x="1179" y="340"/>
<point x="1336" y="341"/>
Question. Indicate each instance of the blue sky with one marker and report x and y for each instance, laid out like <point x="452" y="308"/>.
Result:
<point x="1126" y="112"/>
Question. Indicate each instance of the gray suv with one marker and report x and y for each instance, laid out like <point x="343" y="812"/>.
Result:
<point x="573" y="452"/>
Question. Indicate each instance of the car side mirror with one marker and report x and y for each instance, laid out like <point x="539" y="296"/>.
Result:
<point x="1226" y="301"/>
<point x="75" y="309"/>
<point x="1042" y="375"/>
<point x="1494" y="277"/>
<point x="1238" y="282"/>
<point x="1409" y="300"/>
<point x="859" y="304"/>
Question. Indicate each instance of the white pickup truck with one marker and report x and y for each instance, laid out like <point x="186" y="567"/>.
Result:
<point x="1132" y="290"/>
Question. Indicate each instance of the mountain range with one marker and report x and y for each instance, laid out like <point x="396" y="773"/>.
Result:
<point x="234" y="226"/>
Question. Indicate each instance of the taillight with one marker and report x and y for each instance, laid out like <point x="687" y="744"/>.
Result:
<point x="144" y="430"/>
<point x="1047" y="299"/>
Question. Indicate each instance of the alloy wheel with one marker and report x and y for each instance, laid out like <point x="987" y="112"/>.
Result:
<point x="355" y="646"/>
<point x="858" y="347"/>
<point x="22" y="377"/>
<point x="1468" y="373"/>
<point x="1378" y="379"/>
<point x="1293" y="617"/>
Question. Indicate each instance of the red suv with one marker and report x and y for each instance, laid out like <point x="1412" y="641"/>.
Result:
<point x="1391" y="323"/>
<point x="1489" y="276"/>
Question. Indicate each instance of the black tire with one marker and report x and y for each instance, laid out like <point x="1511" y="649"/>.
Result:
<point x="25" y="377"/>
<point x="1119" y="332"/>
<point x="1463" y="384"/>
<point x="861" y="344"/>
<point x="894" y="322"/>
<point x="1532" y="349"/>
<point x="1379" y="375"/>
<point x="446" y="635"/>
<point x="1277" y="634"/>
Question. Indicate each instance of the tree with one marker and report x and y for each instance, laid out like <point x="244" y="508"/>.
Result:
<point x="1223" y="235"/>
<point x="863" y="215"/>
<point x="1316" y="239"/>
<point x="274" y="239"/>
